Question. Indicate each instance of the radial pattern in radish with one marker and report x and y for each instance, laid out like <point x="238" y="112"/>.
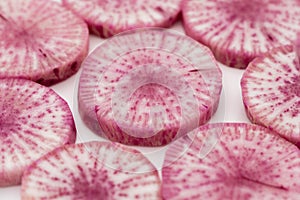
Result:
<point x="93" y="170"/>
<point x="33" y="121"/>
<point x="237" y="31"/>
<point x="232" y="161"/>
<point x="271" y="92"/>
<point x="149" y="86"/>
<point x="109" y="17"/>
<point x="40" y="41"/>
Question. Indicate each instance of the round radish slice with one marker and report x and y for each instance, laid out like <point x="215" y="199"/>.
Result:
<point x="33" y="121"/>
<point x="244" y="162"/>
<point x="109" y="17"/>
<point x="148" y="87"/>
<point x="93" y="170"/>
<point x="271" y="92"/>
<point x="40" y="41"/>
<point x="237" y="31"/>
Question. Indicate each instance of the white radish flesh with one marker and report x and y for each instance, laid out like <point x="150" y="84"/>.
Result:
<point x="33" y="121"/>
<point x="109" y="17"/>
<point x="271" y="92"/>
<point x="40" y="40"/>
<point x="237" y="31"/>
<point x="93" y="170"/>
<point x="149" y="87"/>
<point x="231" y="161"/>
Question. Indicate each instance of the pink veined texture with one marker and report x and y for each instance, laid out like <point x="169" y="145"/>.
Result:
<point x="129" y="82"/>
<point x="110" y="17"/>
<point x="92" y="170"/>
<point x="33" y="121"/>
<point x="231" y="161"/>
<point x="40" y="41"/>
<point x="238" y="31"/>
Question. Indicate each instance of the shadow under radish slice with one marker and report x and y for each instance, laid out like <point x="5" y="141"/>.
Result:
<point x="246" y="161"/>
<point x="40" y="41"/>
<point x="109" y="17"/>
<point x="148" y="87"/>
<point x="271" y="92"/>
<point x="237" y="31"/>
<point x="33" y="121"/>
<point x="92" y="170"/>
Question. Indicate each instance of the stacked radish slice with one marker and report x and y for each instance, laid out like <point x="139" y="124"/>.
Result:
<point x="148" y="87"/>
<point x="109" y="17"/>
<point x="40" y="41"/>
<point x="93" y="170"/>
<point x="271" y="92"/>
<point x="237" y="31"/>
<point x="33" y="121"/>
<point x="231" y="161"/>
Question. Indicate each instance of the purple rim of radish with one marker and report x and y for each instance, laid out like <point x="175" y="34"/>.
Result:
<point x="148" y="86"/>
<point x="237" y="31"/>
<point x="40" y="41"/>
<point x="109" y="17"/>
<point x="33" y="121"/>
<point x="297" y="49"/>
<point x="245" y="161"/>
<point x="93" y="170"/>
<point x="271" y="92"/>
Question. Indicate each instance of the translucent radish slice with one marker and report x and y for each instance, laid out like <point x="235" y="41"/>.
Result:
<point x="109" y="17"/>
<point x="40" y="41"/>
<point x="246" y="162"/>
<point x="271" y="92"/>
<point x="237" y="31"/>
<point x="149" y="87"/>
<point x="33" y="121"/>
<point x="93" y="170"/>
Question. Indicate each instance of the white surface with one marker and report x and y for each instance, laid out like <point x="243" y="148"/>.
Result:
<point x="230" y="109"/>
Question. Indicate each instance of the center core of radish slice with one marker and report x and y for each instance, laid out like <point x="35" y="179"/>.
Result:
<point x="291" y="87"/>
<point x="99" y="187"/>
<point x="242" y="9"/>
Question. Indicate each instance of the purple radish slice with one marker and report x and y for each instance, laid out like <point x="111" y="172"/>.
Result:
<point x="148" y="86"/>
<point x="92" y="170"/>
<point x="109" y="17"/>
<point x="40" y="40"/>
<point x="245" y="161"/>
<point x="271" y="92"/>
<point x="237" y="31"/>
<point x="33" y="121"/>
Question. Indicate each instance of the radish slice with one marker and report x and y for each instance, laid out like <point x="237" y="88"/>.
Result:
<point x="33" y="121"/>
<point x="245" y="162"/>
<point x="237" y="31"/>
<point x="271" y="92"/>
<point x="109" y="17"/>
<point x="93" y="170"/>
<point x="149" y="87"/>
<point x="40" y="41"/>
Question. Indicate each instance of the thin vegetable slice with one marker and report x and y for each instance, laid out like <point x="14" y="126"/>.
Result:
<point x="93" y="170"/>
<point x="148" y="87"/>
<point x="40" y="41"/>
<point x="231" y="161"/>
<point x="271" y="92"/>
<point x="33" y="121"/>
<point x="109" y="17"/>
<point x="237" y="31"/>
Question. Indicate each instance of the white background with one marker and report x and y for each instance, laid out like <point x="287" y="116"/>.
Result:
<point x="230" y="109"/>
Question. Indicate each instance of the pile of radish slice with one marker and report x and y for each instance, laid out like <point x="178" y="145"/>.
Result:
<point x="148" y="87"/>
